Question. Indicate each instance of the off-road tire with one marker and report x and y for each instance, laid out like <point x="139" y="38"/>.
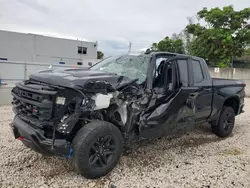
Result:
<point x="82" y="146"/>
<point x="227" y="116"/>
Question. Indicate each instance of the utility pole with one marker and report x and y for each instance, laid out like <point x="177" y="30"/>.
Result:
<point x="129" y="47"/>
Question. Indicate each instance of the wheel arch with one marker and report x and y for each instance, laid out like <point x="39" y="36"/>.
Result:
<point x="233" y="102"/>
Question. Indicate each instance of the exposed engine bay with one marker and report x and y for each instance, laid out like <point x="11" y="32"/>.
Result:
<point x="121" y="107"/>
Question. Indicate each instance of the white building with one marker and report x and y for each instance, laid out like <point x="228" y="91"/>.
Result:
<point x="43" y="49"/>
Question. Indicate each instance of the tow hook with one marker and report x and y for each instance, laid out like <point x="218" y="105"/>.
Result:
<point x="70" y="153"/>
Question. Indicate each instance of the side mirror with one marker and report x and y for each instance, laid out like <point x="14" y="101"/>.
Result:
<point x="90" y="64"/>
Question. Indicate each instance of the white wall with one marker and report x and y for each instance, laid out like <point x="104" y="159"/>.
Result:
<point x="37" y="48"/>
<point x="16" y="47"/>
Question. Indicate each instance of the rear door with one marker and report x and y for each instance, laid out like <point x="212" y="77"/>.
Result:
<point x="173" y="111"/>
<point x="202" y="84"/>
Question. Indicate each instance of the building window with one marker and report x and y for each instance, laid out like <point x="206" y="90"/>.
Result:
<point x="79" y="63"/>
<point x="82" y="50"/>
<point x="79" y="50"/>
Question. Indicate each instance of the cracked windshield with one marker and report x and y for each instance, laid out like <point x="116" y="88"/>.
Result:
<point x="134" y="67"/>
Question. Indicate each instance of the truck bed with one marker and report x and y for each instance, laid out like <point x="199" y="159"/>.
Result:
<point x="227" y="82"/>
<point x="227" y="88"/>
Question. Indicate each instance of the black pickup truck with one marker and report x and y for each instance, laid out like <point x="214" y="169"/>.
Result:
<point x="89" y="114"/>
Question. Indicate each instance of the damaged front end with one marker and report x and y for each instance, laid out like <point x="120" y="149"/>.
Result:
<point x="34" y="122"/>
<point x="48" y="117"/>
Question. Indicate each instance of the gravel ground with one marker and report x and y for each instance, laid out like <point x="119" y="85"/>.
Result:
<point x="195" y="159"/>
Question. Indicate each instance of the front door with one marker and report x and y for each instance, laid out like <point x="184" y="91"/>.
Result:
<point x="172" y="106"/>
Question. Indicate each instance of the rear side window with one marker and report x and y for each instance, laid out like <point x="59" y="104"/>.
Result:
<point x="197" y="71"/>
<point x="182" y="64"/>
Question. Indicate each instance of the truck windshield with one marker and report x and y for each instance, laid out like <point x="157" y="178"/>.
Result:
<point x="132" y="66"/>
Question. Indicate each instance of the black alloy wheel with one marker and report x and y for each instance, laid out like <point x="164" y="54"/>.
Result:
<point x="226" y="121"/>
<point x="97" y="148"/>
<point x="102" y="151"/>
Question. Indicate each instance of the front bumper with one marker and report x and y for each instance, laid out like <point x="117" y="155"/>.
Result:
<point x="33" y="137"/>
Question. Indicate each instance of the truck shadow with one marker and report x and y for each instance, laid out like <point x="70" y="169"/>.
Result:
<point x="156" y="152"/>
<point x="197" y="135"/>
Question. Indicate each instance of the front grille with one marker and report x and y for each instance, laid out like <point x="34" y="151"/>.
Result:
<point x="27" y="94"/>
<point x="32" y="106"/>
<point x="32" y="111"/>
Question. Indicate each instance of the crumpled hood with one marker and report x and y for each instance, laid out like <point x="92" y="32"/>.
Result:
<point x="76" y="78"/>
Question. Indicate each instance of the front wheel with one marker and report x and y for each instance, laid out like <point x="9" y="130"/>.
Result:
<point x="97" y="148"/>
<point x="226" y="122"/>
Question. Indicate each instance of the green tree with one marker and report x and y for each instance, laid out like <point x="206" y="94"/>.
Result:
<point x="224" y="36"/>
<point x="247" y="52"/>
<point x="154" y="46"/>
<point x="174" y="45"/>
<point x="100" y="55"/>
<point x="187" y="38"/>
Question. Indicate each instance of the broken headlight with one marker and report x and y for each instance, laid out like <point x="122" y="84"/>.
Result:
<point x="60" y="100"/>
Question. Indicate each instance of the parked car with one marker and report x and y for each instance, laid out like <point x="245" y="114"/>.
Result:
<point x="89" y="114"/>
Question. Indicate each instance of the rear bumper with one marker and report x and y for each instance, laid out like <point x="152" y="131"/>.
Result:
<point x="241" y="109"/>
<point x="33" y="137"/>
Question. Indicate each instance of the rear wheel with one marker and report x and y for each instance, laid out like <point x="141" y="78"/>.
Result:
<point x="226" y="122"/>
<point x="97" y="148"/>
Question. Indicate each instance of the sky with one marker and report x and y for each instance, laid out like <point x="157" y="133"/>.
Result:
<point x="113" y="23"/>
